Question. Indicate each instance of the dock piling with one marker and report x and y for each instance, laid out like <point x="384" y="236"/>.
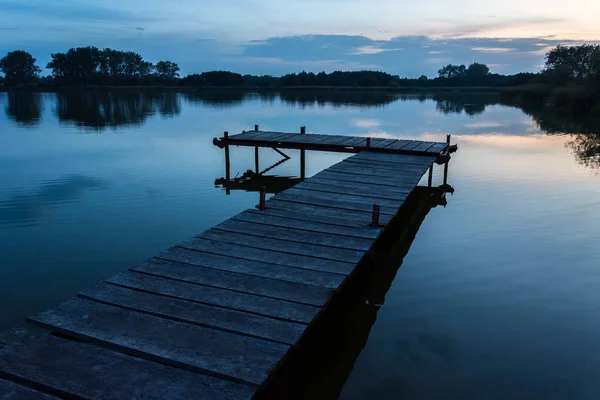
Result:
<point x="375" y="216"/>
<point x="303" y="156"/>
<point x="368" y="143"/>
<point x="255" y="128"/>
<point x="263" y="198"/>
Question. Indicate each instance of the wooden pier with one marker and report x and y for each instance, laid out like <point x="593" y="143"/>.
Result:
<point x="216" y="316"/>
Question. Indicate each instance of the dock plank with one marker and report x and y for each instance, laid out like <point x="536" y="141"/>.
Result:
<point x="283" y="214"/>
<point x="268" y="256"/>
<point x="383" y="143"/>
<point x="419" y="159"/>
<point x="354" y="142"/>
<point x="314" y="292"/>
<point x="257" y="269"/>
<point x="333" y="182"/>
<point x="351" y="168"/>
<point x="340" y="199"/>
<point x="400" y="143"/>
<point x="12" y="391"/>
<point x="424" y="147"/>
<point x="283" y="246"/>
<point x="399" y="181"/>
<point x="294" y="234"/>
<point x="339" y="205"/>
<point x="80" y="370"/>
<point x="354" y="190"/>
<point x="196" y="313"/>
<point x="247" y="360"/>
<point x="438" y="148"/>
<point x="255" y="304"/>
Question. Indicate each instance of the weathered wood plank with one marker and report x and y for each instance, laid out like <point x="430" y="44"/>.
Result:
<point x="339" y="205"/>
<point x="351" y="168"/>
<point x="398" y="144"/>
<point x="74" y="369"/>
<point x="196" y="313"/>
<point x="260" y="305"/>
<point x="399" y="164"/>
<point x="305" y="139"/>
<point x="332" y="182"/>
<point x="250" y="135"/>
<point x="186" y="346"/>
<point x="400" y="181"/>
<point x="247" y="268"/>
<point x="284" y="246"/>
<point x="293" y="234"/>
<point x="268" y="256"/>
<point x="383" y="143"/>
<point x="12" y="391"/>
<point x="354" y="142"/>
<point x="438" y="148"/>
<point x="412" y="145"/>
<point x="339" y="199"/>
<point x="353" y="190"/>
<point x="386" y="168"/>
<point x="283" y="214"/>
<point x="395" y="158"/>
<point x="424" y="147"/>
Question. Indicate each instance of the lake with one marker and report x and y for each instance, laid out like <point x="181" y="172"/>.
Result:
<point x="496" y="298"/>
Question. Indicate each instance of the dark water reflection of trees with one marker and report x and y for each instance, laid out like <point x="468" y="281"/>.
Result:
<point x="102" y="109"/>
<point x="24" y="108"/>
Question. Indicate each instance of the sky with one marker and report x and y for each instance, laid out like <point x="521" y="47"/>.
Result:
<point x="403" y="37"/>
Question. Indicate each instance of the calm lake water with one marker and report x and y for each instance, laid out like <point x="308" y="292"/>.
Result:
<point x="496" y="299"/>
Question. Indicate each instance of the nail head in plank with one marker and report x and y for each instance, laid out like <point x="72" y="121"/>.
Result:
<point x="75" y="369"/>
<point x="286" y="310"/>
<point x="196" y="313"/>
<point x="173" y="343"/>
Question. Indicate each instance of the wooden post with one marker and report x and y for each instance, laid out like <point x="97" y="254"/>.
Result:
<point x="375" y="216"/>
<point x="263" y="198"/>
<point x="448" y="137"/>
<point x="430" y="179"/>
<point x="368" y="143"/>
<point x="227" y="161"/>
<point x="255" y="128"/>
<point x="446" y="173"/>
<point x="303" y="156"/>
<point x="256" y="158"/>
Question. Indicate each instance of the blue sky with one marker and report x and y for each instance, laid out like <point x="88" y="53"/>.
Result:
<point x="402" y="37"/>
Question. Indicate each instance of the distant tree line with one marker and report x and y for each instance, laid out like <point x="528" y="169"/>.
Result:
<point x="91" y="66"/>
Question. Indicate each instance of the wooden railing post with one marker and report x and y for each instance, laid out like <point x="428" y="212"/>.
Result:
<point x="368" y="143"/>
<point x="255" y="128"/>
<point x="375" y="216"/>
<point x="263" y="199"/>
<point x="302" y="130"/>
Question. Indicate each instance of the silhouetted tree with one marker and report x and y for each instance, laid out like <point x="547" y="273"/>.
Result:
<point x="452" y="71"/>
<point x="167" y="71"/>
<point x="577" y="62"/>
<point x="19" y="68"/>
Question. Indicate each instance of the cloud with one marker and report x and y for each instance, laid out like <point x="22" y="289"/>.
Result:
<point x="493" y="49"/>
